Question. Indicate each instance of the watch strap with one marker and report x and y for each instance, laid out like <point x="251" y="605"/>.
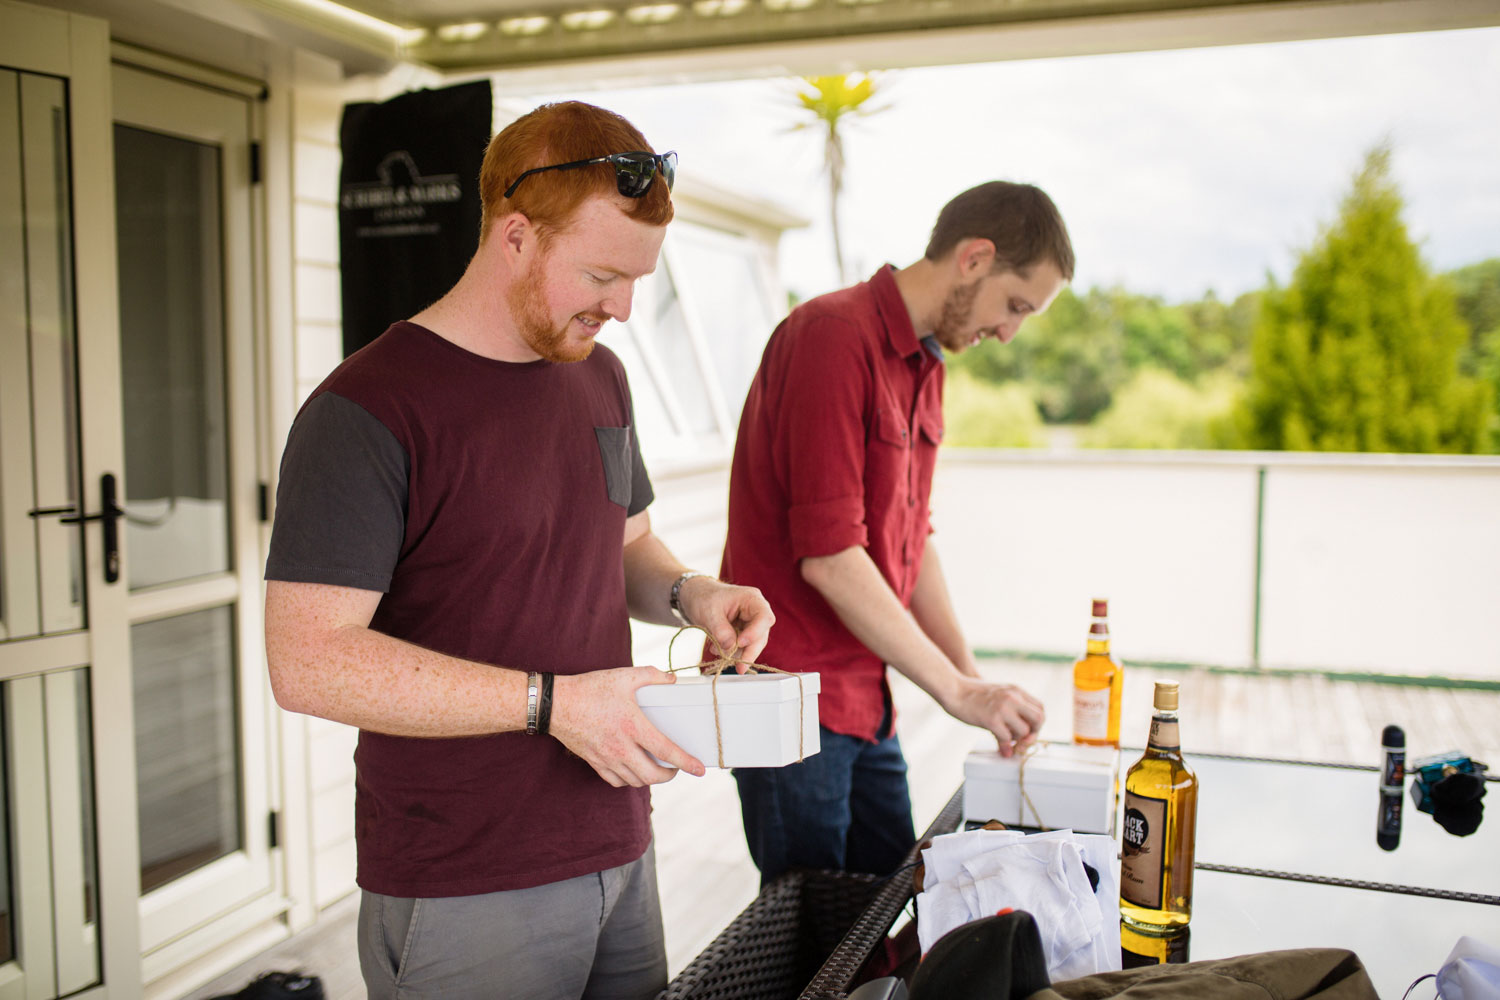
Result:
<point x="675" y="602"/>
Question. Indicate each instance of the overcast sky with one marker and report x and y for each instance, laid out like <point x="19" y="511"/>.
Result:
<point x="1177" y="172"/>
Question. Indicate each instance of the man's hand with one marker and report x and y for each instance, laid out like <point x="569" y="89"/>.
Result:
<point x="1013" y="716"/>
<point x="595" y="715"/>
<point x="738" y="618"/>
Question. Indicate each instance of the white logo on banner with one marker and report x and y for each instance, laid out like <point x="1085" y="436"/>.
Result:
<point x="398" y="198"/>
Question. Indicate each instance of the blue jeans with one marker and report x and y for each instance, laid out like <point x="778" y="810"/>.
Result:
<point x="845" y="808"/>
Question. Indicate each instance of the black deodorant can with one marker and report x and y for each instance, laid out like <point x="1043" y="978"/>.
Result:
<point x="1392" y="782"/>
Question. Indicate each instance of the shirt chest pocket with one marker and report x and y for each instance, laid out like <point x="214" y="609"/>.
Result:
<point x="931" y="430"/>
<point x="615" y="453"/>
<point x="891" y="429"/>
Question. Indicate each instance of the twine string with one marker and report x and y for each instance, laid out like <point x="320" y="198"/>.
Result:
<point x="1026" y="755"/>
<point x="723" y="661"/>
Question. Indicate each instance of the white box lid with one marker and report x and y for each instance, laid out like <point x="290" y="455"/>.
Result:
<point x="733" y="689"/>
<point x="1051" y="764"/>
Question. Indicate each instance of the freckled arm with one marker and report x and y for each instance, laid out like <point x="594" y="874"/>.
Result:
<point x="326" y="661"/>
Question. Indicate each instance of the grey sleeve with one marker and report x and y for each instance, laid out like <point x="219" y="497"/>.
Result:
<point x="341" y="501"/>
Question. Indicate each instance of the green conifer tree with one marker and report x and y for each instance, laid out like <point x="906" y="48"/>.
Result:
<point x="1360" y="351"/>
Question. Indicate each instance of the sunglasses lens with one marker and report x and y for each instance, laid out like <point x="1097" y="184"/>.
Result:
<point x="668" y="167"/>
<point x="633" y="173"/>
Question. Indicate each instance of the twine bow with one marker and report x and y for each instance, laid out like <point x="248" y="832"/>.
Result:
<point x="717" y="666"/>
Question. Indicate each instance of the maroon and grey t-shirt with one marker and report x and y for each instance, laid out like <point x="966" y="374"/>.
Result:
<point x="487" y="501"/>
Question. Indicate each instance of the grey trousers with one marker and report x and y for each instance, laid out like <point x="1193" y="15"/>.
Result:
<point x="595" y="937"/>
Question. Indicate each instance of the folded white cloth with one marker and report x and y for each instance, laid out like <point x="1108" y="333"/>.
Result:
<point x="1472" y="972"/>
<point x="946" y="857"/>
<point x="979" y="873"/>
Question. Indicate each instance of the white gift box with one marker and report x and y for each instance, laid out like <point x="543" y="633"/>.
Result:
<point x="758" y="716"/>
<point x="1069" y="787"/>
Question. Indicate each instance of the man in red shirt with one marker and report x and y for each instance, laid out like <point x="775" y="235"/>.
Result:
<point x="829" y="518"/>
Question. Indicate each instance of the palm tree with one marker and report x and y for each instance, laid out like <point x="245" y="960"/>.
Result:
<point x="829" y="100"/>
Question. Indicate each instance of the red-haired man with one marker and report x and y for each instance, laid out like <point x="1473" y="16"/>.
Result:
<point x="828" y="516"/>
<point x="461" y="536"/>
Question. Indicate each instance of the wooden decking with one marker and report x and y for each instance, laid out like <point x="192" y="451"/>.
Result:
<point x="705" y="872"/>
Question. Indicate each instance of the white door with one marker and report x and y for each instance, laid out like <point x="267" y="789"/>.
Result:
<point x="49" y="895"/>
<point x="185" y="229"/>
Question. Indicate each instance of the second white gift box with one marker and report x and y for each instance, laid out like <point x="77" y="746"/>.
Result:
<point x="758" y="717"/>
<point x="1069" y="786"/>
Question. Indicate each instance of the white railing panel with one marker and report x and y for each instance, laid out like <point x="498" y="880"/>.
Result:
<point x="1027" y="542"/>
<point x="1386" y="568"/>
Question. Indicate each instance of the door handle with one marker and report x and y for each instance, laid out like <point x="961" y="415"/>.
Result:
<point x="108" y="517"/>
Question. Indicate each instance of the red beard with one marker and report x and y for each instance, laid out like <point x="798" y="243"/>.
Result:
<point x="528" y="310"/>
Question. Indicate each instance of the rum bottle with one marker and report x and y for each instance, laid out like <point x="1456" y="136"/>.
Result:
<point x="1140" y="948"/>
<point x="1161" y="813"/>
<point x="1097" y="682"/>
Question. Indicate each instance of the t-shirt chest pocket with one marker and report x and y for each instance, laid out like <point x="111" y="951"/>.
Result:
<point x="614" y="452"/>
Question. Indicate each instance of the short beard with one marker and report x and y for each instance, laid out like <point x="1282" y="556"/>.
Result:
<point x="958" y="307"/>
<point x="528" y="310"/>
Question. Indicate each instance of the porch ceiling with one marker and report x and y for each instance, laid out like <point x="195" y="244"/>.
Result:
<point x="465" y="36"/>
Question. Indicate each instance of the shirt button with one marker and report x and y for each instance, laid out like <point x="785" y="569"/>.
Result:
<point x="911" y="501"/>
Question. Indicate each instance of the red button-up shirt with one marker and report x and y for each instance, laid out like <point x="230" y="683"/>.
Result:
<point x="836" y="448"/>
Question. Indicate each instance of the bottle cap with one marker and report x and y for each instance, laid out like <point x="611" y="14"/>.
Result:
<point x="1166" y="696"/>
<point x="1392" y="736"/>
<point x="1101" y="608"/>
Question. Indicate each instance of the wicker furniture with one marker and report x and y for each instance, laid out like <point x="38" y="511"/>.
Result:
<point x="806" y="936"/>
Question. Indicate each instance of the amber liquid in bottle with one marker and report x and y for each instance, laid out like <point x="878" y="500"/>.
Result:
<point x="1161" y="812"/>
<point x="1140" y="948"/>
<point x="1097" y="683"/>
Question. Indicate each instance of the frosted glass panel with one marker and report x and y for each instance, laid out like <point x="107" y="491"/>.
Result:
<point x="172" y="356"/>
<point x="187" y="734"/>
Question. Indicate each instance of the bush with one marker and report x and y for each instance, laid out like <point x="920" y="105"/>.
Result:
<point x="980" y="414"/>
<point x="1360" y="352"/>
<point x="1156" y="409"/>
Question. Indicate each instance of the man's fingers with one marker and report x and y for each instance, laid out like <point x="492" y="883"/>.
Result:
<point x="753" y="650"/>
<point x="662" y="748"/>
<point x="645" y="771"/>
<point x="608" y="774"/>
<point x="1031" y="711"/>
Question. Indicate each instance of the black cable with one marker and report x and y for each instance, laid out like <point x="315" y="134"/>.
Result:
<point x="1414" y="982"/>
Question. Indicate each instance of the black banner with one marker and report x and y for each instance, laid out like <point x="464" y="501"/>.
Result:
<point x="408" y="202"/>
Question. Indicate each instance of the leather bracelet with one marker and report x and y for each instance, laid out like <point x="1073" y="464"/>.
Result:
<point x="533" y="686"/>
<point x="675" y="601"/>
<point x="544" y="709"/>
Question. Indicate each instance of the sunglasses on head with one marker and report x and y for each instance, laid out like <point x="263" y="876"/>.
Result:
<point x="634" y="172"/>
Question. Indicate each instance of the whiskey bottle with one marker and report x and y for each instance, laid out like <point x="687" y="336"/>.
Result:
<point x="1161" y="812"/>
<point x="1097" y="682"/>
